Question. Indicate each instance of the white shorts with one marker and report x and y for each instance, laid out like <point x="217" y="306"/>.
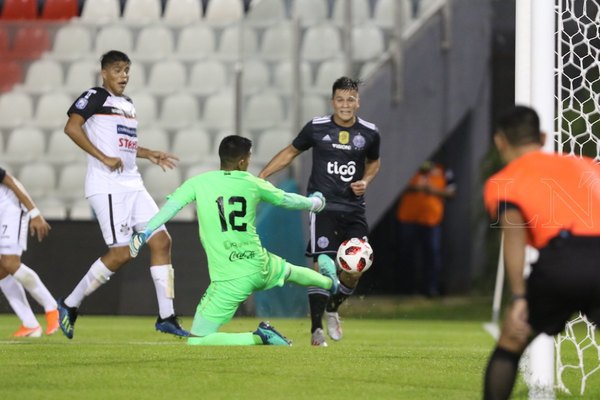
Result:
<point x="122" y="214"/>
<point x="14" y="224"/>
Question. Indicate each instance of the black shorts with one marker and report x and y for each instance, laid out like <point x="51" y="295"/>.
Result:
<point x="328" y="229"/>
<point x="564" y="281"/>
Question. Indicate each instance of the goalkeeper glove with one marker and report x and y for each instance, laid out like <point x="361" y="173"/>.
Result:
<point x="318" y="201"/>
<point x="136" y="242"/>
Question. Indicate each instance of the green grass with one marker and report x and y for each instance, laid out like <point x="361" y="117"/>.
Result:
<point x="391" y="358"/>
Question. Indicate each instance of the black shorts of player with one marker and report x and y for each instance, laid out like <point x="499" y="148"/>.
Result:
<point x="564" y="281"/>
<point x="328" y="229"/>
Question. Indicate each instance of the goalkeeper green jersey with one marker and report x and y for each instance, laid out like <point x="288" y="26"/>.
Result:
<point x="226" y="204"/>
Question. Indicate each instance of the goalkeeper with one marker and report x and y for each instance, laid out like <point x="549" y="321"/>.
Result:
<point x="238" y="265"/>
<point x="552" y="203"/>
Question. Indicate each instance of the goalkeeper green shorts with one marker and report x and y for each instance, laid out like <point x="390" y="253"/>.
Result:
<point x="222" y="298"/>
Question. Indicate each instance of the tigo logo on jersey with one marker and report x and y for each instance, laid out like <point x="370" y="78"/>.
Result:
<point x="345" y="171"/>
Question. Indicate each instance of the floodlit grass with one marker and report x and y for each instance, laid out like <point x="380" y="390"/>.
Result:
<point x="124" y="358"/>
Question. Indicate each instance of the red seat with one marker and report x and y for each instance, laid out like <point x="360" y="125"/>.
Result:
<point x="30" y="42"/>
<point x="19" y="9"/>
<point x="3" y="42"/>
<point x="60" y="9"/>
<point x="10" y="73"/>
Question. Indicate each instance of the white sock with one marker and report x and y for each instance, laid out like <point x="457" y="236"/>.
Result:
<point x="97" y="275"/>
<point x="163" y="277"/>
<point x="15" y="294"/>
<point x="33" y="284"/>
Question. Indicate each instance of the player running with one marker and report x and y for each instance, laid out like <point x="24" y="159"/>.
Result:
<point x="238" y="265"/>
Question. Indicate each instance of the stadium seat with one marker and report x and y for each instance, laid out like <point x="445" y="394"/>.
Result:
<point x="167" y="76"/>
<point x="264" y="110"/>
<point x="223" y="12"/>
<point x="367" y="43"/>
<point x="182" y="12"/>
<point x="81" y="210"/>
<point x="52" y="209"/>
<point x="71" y="182"/>
<point x="207" y="77"/>
<point x="191" y="145"/>
<point x="24" y="145"/>
<point x="179" y="110"/>
<point x="313" y="106"/>
<point x="265" y="12"/>
<point x="383" y="15"/>
<point x="4" y="43"/>
<point x="154" y="138"/>
<point x="51" y="110"/>
<point x="309" y="11"/>
<point x="141" y="12"/>
<point x="71" y="42"/>
<point x="154" y="43"/>
<point x="114" y="37"/>
<point x="39" y="178"/>
<point x="161" y="183"/>
<point x="15" y="109"/>
<point x="327" y="72"/>
<point x="81" y="75"/>
<point x="255" y="76"/>
<point x="277" y="42"/>
<point x="284" y="73"/>
<point x="19" y="10"/>
<point x="229" y="45"/>
<point x="43" y="76"/>
<point x="59" y="9"/>
<point x="101" y="12"/>
<point x="137" y="77"/>
<point x="195" y="42"/>
<point x="361" y="12"/>
<point x="62" y="150"/>
<point x="10" y="75"/>
<point x="321" y="42"/>
<point x="146" y="109"/>
<point x="219" y="110"/>
<point x="201" y="168"/>
<point x="270" y="143"/>
<point x="30" y="42"/>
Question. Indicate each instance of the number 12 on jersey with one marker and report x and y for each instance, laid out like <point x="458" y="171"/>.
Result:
<point x="238" y="211"/>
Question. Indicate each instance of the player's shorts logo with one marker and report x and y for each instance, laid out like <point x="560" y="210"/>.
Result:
<point x="322" y="242"/>
<point x="81" y="103"/>
<point x="344" y="137"/>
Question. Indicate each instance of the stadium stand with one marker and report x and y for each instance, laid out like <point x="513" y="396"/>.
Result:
<point x="30" y="42"/>
<point x="327" y="72"/>
<point x="218" y="111"/>
<point x="283" y="81"/>
<point x="195" y="42"/>
<point x="100" y="12"/>
<point x="19" y="10"/>
<point x="310" y="11"/>
<point x="53" y="10"/>
<point x="223" y="12"/>
<point x="4" y="42"/>
<point x="80" y="210"/>
<point x="61" y="150"/>
<point x="10" y="74"/>
<point x="265" y="11"/>
<point x="43" y="76"/>
<point x="179" y="110"/>
<point x="39" y="178"/>
<point x="263" y="110"/>
<point x="52" y="209"/>
<point x="321" y="42"/>
<point x="276" y="42"/>
<point x="114" y="37"/>
<point x="207" y="77"/>
<point x="182" y="12"/>
<point x="367" y="42"/>
<point x="25" y="145"/>
<point x="361" y="12"/>
<point x="80" y="76"/>
<point x="50" y="110"/>
<point x="72" y="42"/>
<point x="229" y="45"/>
<point x="154" y="43"/>
<point x="269" y="143"/>
<point x="142" y="12"/>
<point x="146" y="109"/>
<point x="191" y="146"/>
<point x="16" y="109"/>
<point x="166" y="77"/>
<point x="383" y="14"/>
<point x="155" y="138"/>
<point x="256" y="76"/>
<point x="160" y="183"/>
<point x="71" y="182"/>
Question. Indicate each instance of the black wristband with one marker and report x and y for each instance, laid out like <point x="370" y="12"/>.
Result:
<point x="518" y="297"/>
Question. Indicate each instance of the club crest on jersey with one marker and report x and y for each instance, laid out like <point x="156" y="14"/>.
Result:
<point x="125" y="229"/>
<point x="322" y="242"/>
<point x="344" y="137"/>
<point x="81" y="103"/>
<point x="358" y="141"/>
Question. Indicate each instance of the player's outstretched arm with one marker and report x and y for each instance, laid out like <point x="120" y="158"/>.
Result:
<point x="162" y="159"/>
<point x="280" y="161"/>
<point x="168" y="211"/>
<point x="315" y="202"/>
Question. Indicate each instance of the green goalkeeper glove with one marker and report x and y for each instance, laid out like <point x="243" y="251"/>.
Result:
<point x="136" y="242"/>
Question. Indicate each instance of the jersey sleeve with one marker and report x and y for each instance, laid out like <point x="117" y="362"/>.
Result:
<point x="184" y="194"/>
<point x="373" y="150"/>
<point x="2" y="174"/>
<point x="269" y="193"/>
<point x="497" y="196"/>
<point x="304" y="139"/>
<point x="88" y="103"/>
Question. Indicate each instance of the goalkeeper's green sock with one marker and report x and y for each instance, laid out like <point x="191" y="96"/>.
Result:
<point x="307" y="277"/>
<point x="226" y="339"/>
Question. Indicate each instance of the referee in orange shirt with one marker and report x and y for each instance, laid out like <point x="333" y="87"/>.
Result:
<point x="551" y="202"/>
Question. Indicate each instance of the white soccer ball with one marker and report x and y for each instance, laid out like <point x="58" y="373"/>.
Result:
<point x="355" y="256"/>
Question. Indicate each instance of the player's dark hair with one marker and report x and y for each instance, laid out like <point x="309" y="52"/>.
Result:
<point x="345" y="83"/>
<point x="520" y="125"/>
<point x="113" y="56"/>
<point x="233" y="148"/>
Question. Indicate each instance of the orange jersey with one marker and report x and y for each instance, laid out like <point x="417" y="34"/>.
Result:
<point x="553" y="192"/>
<point x="423" y="208"/>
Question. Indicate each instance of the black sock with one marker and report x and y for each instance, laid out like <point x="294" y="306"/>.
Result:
<point x="317" y="301"/>
<point x="500" y="374"/>
<point x="337" y="299"/>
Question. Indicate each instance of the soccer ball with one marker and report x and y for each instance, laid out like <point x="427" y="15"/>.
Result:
<point x="355" y="256"/>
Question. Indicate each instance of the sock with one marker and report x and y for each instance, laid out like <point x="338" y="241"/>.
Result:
<point x="15" y="294"/>
<point x="337" y="299"/>
<point x="307" y="277"/>
<point x="97" y="275"/>
<point x="500" y="374"/>
<point x="163" y="276"/>
<point x="226" y="339"/>
<point x="317" y="299"/>
<point x="33" y="284"/>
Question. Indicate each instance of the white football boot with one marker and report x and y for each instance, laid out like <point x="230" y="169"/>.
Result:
<point x="318" y="338"/>
<point x="334" y="325"/>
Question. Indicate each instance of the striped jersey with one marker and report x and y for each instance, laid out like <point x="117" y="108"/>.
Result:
<point x="111" y="126"/>
<point x="339" y="156"/>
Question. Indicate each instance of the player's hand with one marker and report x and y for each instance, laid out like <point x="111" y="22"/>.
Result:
<point x="516" y="325"/>
<point x="163" y="159"/>
<point x="39" y="227"/>
<point x="359" y="187"/>
<point x="318" y="201"/>
<point x="113" y="163"/>
<point x="136" y="242"/>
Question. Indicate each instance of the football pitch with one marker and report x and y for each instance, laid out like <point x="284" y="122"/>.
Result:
<point x="378" y="358"/>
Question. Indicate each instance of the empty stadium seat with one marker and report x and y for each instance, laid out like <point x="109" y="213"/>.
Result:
<point x="15" y="109"/>
<point x="161" y="183"/>
<point x="179" y="110"/>
<point x="166" y="77"/>
<point x="71" y="42"/>
<point x="182" y="12"/>
<point x="367" y="43"/>
<point x="277" y="42"/>
<point x="137" y="78"/>
<point x="265" y="12"/>
<point x="264" y="110"/>
<point x="146" y="109"/>
<point x="201" y="168"/>
<point x="360" y="11"/>
<point x="59" y="9"/>
<point x="207" y="77"/>
<point x="154" y="138"/>
<point x="309" y="11"/>
<point x="141" y="12"/>
<point x="114" y="37"/>
<point x="30" y="42"/>
<point x="19" y="10"/>
<point x="10" y="75"/>
<point x="81" y="210"/>
<point x="24" y="145"/>
<point x="219" y="110"/>
<point x="4" y="43"/>
<point x="195" y="42"/>
<point x="43" y="76"/>
<point x="270" y="143"/>
<point x="255" y="76"/>
<point x="39" y="178"/>
<point x="321" y="42"/>
<point x="191" y="146"/>
<point x="51" y="110"/>
<point x="71" y="182"/>
<point x="154" y="43"/>
<point x="101" y="12"/>
<point x="81" y="75"/>
<point x="62" y="150"/>
<point x="383" y="15"/>
<point x="313" y="106"/>
<point x="229" y="45"/>
<point x="284" y="71"/>
<point x="52" y="209"/>
<point x="327" y="73"/>
<point x="223" y="12"/>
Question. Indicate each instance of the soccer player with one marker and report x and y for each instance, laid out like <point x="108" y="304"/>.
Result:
<point x="551" y="202"/>
<point x="102" y="122"/>
<point x="17" y="213"/>
<point x="345" y="159"/>
<point x="238" y="265"/>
